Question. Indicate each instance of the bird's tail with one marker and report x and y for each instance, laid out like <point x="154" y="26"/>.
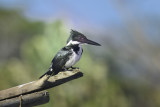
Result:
<point x="49" y="72"/>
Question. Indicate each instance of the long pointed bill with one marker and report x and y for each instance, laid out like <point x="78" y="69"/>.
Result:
<point x="92" y="42"/>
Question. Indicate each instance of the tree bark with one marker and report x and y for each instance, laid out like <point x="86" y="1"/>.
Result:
<point x="28" y="100"/>
<point x="41" y="84"/>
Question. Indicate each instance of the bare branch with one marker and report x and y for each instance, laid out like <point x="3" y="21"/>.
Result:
<point x="41" y="84"/>
<point x="27" y="100"/>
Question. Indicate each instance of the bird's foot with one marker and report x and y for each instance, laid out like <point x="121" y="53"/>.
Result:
<point x="65" y="69"/>
<point x="69" y="69"/>
<point x="74" y="67"/>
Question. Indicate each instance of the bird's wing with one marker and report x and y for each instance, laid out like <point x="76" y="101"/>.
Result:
<point x="59" y="61"/>
<point x="61" y="58"/>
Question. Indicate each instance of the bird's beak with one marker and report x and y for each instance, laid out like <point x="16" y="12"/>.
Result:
<point x="91" y="42"/>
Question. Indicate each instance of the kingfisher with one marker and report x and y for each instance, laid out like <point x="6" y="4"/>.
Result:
<point x="70" y="54"/>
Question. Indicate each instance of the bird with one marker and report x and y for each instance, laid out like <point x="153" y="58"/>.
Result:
<point x="70" y="54"/>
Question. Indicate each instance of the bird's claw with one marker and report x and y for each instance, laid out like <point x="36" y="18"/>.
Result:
<point x="75" y="68"/>
<point x="70" y="69"/>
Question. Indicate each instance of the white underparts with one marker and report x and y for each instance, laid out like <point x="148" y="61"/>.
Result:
<point x="74" y="58"/>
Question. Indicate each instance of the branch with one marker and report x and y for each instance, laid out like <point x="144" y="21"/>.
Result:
<point x="41" y="84"/>
<point x="28" y="100"/>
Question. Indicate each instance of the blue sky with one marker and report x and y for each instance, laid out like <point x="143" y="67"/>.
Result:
<point x="98" y="13"/>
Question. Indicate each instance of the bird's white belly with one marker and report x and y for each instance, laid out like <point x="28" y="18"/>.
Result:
<point x="74" y="58"/>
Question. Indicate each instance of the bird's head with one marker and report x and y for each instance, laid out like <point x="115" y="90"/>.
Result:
<point x="77" y="38"/>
